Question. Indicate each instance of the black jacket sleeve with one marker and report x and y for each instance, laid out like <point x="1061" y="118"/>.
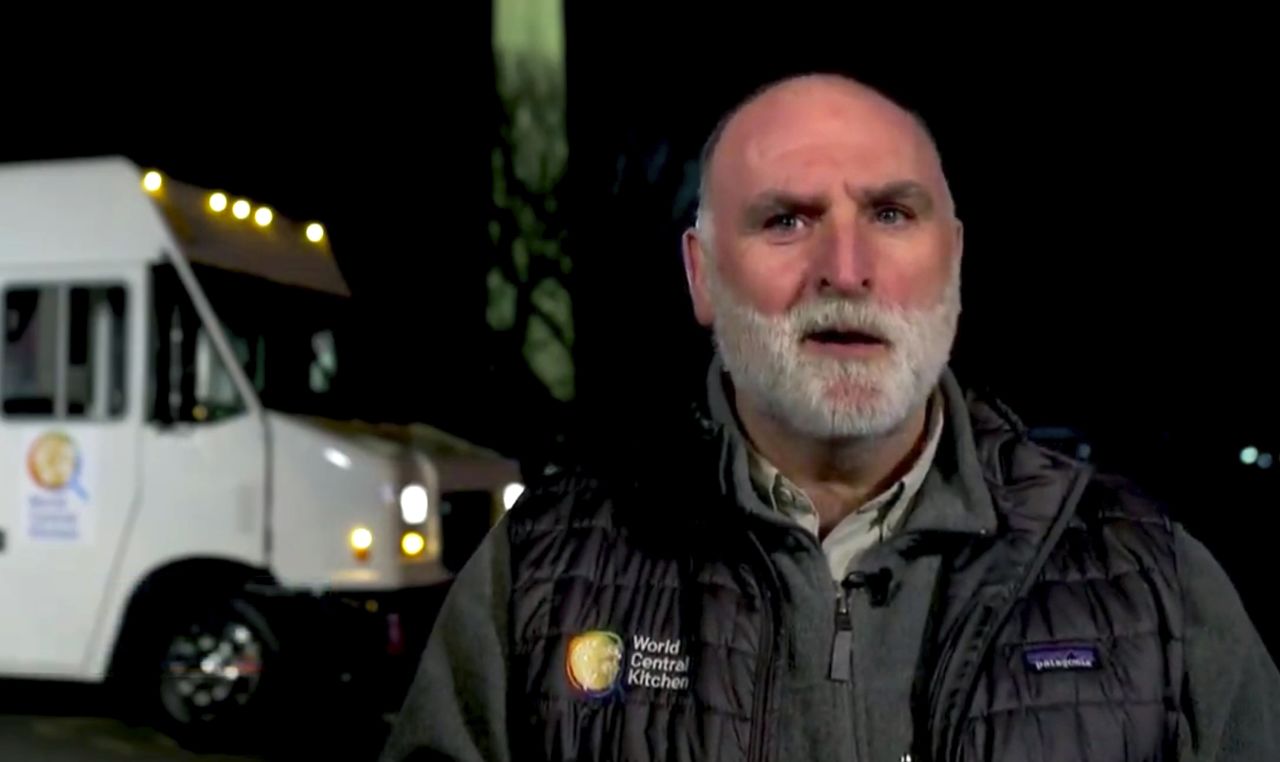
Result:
<point x="457" y="707"/>
<point x="1231" y="690"/>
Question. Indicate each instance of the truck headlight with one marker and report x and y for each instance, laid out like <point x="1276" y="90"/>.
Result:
<point x="361" y="539"/>
<point x="412" y="543"/>
<point x="414" y="504"/>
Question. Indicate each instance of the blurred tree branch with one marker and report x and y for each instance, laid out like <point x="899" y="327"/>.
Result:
<point x="529" y="302"/>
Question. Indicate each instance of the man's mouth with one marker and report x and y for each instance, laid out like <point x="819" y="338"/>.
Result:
<point x="849" y="337"/>
<point x="845" y="344"/>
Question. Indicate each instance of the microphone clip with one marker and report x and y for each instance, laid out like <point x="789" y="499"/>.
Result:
<point x="876" y="582"/>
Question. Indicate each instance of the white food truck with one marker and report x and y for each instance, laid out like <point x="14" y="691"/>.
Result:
<point x="183" y="514"/>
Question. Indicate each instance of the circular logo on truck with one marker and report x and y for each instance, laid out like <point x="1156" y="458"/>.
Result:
<point x="594" y="661"/>
<point x="53" y="461"/>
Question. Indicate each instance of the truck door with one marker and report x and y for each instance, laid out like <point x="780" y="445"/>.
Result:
<point x="71" y="372"/>
<point x="205" y="491"/>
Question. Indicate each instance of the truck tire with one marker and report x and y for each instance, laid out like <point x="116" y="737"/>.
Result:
<point x="204" y="670"/>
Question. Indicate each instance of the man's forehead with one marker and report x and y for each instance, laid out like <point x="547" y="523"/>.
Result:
<point x="824" y="127"/>
<point x="823" y="153"/>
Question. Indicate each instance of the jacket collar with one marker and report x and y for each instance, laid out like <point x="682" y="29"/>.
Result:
<point x="955" y="497"/>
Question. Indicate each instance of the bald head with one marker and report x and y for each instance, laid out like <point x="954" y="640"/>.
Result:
<point x="833" y="101"/>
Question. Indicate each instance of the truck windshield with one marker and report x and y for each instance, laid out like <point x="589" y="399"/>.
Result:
<point x="286" y="338"/>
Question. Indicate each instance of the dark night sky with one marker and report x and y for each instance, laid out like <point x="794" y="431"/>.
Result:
<point x="1118" y="192"/>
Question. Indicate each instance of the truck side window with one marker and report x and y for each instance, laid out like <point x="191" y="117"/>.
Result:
<point x="64" y="351"/>
<point x="324" y="362"/>
<point x="30" y="351"/>
<point x="191" y="381"/>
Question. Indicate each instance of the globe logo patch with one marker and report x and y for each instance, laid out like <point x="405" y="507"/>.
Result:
<point x="593" y="662"/>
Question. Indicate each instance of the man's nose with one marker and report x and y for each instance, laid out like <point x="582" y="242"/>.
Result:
<point x="842" y="264"/>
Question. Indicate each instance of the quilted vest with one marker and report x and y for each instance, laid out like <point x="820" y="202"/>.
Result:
<point x="647" y="627"/>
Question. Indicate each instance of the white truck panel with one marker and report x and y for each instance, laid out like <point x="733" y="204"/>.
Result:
<point x="81" y="211"/>
<point x="316" y="504"/>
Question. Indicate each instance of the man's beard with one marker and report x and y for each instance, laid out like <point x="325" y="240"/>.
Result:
<point x="829" y="397"/>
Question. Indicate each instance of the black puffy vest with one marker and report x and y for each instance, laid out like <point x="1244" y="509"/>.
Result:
<point x="1078" y="559"/>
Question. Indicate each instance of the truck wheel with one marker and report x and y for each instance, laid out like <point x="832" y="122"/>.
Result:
<point x="206" y="672"/>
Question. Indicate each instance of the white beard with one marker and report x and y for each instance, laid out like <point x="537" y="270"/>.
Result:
<point x="827" y="397"/>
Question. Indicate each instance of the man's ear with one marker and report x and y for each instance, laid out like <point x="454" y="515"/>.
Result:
<point x="959" y="239"/>
<point x="696" y="262"/>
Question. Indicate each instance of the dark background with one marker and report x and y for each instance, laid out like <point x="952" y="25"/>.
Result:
<point x="1118" y="189"/>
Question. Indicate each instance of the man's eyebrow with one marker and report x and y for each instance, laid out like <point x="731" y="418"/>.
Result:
<point x="902" y="191"/>
<point x="774" y="200"/>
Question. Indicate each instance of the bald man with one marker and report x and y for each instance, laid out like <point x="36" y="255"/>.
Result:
<point x="846" y="557"/>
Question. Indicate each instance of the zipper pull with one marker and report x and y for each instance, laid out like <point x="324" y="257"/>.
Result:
<point x="842" y="645"/>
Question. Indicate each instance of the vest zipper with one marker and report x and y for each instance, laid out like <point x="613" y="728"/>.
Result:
<point x="842" y="644"/>
<point x="765" y="663"/>
<point x="877" y="582"/>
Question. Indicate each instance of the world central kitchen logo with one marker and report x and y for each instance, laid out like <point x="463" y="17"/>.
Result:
<point x="597" y="659"/>
<point x="55" y="463"/>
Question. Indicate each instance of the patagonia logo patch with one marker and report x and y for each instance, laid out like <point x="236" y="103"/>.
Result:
<point x="599" y="663"/>
<point x="1061" y="658"/>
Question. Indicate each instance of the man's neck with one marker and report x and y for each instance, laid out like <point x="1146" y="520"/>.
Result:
<point x="839" y="476"/>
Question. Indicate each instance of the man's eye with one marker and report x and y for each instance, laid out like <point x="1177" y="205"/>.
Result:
<point x="892" y="215"/>
<point x="783" y="222"/>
